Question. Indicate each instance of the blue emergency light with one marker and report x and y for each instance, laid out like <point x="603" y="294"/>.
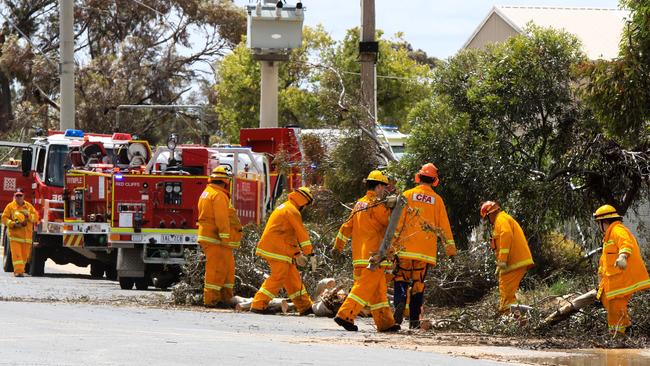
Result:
<point x="74" y="133"/>
<point x="119" y="176"/>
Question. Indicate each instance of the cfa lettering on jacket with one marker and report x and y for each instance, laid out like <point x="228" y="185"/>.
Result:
<point x="421" y="197"/>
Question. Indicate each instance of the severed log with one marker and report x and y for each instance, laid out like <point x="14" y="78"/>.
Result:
<point x="325" y="293"/>
<point x="570" y="308"/>
<point x="324" y="284"/>
<point x="276" y="305"/>
<point x="320" y="309"/>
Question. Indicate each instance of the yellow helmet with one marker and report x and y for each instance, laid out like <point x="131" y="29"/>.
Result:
<point x="304" y="191"/>
<point x="377" y="176"/>
<point x="606" y="212"/>
<point x="220" y="173"/>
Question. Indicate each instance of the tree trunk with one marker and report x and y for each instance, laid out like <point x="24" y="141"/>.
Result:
<point x="6" y="114"/>
<point x="571" y="308"/>
<point x="276" y="305"/>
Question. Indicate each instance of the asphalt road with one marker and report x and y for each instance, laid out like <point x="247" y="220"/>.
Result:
<point x="67" y="318"/>
<point x="79" y="334"/>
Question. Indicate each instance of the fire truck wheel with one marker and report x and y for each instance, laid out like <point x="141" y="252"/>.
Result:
<point x="126" y="283"/>
<point x="7" y="264"/>
<point x="37" y="262"/>
<point x="142" y="283"/>
<point x="97" y="270"/>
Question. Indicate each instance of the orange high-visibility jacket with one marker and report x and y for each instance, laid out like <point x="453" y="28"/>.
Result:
<point x="425" y="209"/>
<point x="214" y="217"/>
<point x="366" y="227"/>
<point x="20" y="234"/>
<point x="284" y="236"/>
<point x="510" y="244"/>
<point x="618" y="282"/>
<point x="235" y="227"/>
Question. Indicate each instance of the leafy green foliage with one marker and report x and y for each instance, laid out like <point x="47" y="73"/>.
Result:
<point x="312" y="81"/>
<point x="133" y="53"/>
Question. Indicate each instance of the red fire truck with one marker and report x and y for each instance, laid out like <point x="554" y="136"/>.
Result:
<point x="154" y="214"/>
<point x="281" y="143"/>
<point x="39" y="168"/>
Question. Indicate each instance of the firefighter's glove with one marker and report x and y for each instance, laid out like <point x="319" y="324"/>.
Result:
<point x="335" y="253"/>
<point x="301" y="260"/>
<point x="375" y="260"/>
<point x="313" y="261"/>
<point x="621" y="261"/>
<point x="502" y="265"/>
<point x="391" y="201"/>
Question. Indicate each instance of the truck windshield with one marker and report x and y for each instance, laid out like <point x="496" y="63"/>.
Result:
<point x="56" y="165"/>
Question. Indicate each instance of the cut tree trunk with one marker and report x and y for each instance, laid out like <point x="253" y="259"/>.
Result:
<point x="572" y="307"/>
<point x="324" y="284"/>
<point x="275" y="306"/>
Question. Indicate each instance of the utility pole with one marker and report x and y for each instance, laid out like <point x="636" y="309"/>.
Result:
<point x="269" y="87"/>
<point x="368" y="50"/>
<point x="66" y="66"/>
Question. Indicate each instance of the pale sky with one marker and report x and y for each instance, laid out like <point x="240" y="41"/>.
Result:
<point x="439" y="27"/>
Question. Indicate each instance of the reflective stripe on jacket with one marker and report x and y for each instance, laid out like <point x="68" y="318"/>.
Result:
<point x="284" y="235"/>
<point x="24" y="233"/>
<point x="425" y="209"/>
<point x="510" y="243"/>
<point x="618" y="282"/>
<point x="214" y="216"/>
<point x="366" y="226"/>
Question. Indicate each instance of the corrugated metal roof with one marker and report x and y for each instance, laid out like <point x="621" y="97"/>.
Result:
<point x="599" y="29"/>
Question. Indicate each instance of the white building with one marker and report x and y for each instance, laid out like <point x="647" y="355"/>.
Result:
<point x="599" y="29"/>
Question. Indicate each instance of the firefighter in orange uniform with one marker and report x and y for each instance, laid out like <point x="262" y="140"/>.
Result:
<point x="621" y="270"/>
<point x="513" y="255"/>
<point x="19" y="217"/>
<point x="423" y="219"/>
<point x="284" y="244"/>
<point x="219" y="233"/>
<point x="366" y="227"/>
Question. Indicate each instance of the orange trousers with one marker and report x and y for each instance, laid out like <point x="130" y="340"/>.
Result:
<point x="283" y="275"/>
<point x="20" y="255"/>
<point x="618" y="318"/>
<point x="413" y="272"/>
<point x="219" y="274"/>
<point x="370" y="290"/>
<point x="508" y="286"/>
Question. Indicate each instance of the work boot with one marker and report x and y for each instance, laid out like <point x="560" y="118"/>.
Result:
<point x="399" y="312"/>
<point x="222" y="305"/>
<point x="414" y="324"/>
<point x="261" y="311"/>
<point x="350" y="327"/>
<point x="306" y="312"/>
<point x="19" y="275"/>
<point x="392" y="329"/>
